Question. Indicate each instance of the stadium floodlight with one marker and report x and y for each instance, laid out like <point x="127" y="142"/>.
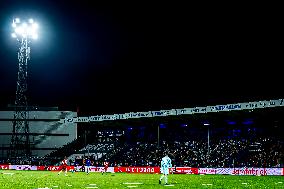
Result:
<point x="17" y="20"/>
<point x="24" y="32"/>
<point x="13" y="35"/>
<point x="31" y="21"/>
<point x="25" y="29"/>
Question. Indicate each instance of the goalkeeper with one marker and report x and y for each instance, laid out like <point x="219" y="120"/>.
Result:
<point x="166" y="164"/>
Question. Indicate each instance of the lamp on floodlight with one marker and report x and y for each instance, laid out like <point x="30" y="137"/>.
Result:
<point x="26" y="29"/>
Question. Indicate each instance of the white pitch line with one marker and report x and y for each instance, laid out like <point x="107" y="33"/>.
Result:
<point x="280" y="182"/>
<point x="132" y="183"/>
<point x="8" y="173"/>
<point x="132" y="186"/>
<point x="244" y="183"/>
<point x="169" y="185"/>
<point x="55" y="186"/>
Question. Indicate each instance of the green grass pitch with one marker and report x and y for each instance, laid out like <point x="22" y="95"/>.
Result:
<point x="46" y="179"/>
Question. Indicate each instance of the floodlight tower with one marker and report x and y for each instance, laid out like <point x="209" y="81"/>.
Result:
<point x="20" y="140"/>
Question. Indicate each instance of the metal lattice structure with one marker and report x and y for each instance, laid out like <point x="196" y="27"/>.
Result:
<point x="20" y="141"/>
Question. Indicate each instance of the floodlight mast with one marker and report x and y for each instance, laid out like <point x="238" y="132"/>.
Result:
<point x="20" y="145"/>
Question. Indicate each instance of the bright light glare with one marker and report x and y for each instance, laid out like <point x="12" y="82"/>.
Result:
<point x="26" y="29"/>
<point x="35" y="36"/>
<point x="19" y="30"/>
<point x="25" y="25"/>
<point x="35" y="25"/>
<point x="17" y="20"/>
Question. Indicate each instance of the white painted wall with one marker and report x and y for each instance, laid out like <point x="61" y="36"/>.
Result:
<point x="50" y="125"/>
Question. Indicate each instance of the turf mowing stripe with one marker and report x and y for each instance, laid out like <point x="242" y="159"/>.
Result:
<point x="92" y="184"/>
<point x="91" y="187"/>
<point x="132" y="183"/>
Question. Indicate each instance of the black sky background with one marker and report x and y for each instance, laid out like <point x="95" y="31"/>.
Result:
<point x="121" y="57"/>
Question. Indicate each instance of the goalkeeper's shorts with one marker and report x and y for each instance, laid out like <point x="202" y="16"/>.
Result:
<point x="165" y="171"/>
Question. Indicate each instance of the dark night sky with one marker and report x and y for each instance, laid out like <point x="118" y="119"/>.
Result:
<point x="114" y="58"/>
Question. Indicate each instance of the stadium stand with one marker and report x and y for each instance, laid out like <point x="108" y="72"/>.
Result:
<point x="254" y="143"/>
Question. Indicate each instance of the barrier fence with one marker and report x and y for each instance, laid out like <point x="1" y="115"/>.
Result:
<point x="176" y="170"/>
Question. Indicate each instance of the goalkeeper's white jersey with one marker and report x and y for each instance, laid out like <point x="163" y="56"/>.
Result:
<point x="166" y="162"/>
